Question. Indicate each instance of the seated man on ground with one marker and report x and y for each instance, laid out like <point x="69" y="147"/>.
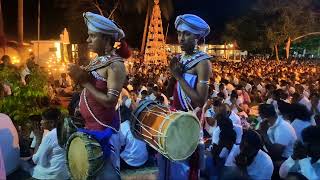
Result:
<point x="219" y="152"/>
<point x="278" y="135"/>
<point x="249" y="159"/>
<point x="306" y="156"/>
<point x="37" y="131"/>
<point x="134" y="152"/>
<point x="50" y="159"/>
<point x="223" y="112"/>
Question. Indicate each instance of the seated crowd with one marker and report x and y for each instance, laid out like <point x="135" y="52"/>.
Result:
<point x="261" y="121"/>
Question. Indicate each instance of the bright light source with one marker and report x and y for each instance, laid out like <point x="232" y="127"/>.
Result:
<point x="58" y="52"/>
<point x="30" y="50"/>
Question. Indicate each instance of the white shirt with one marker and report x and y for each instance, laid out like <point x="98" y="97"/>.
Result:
<point x="165" y="100"/>
<point x="9" y="143"/>
<point x="50" y="159"/>
<point x="260" y="169"/>
<point x="34" y="138"/>
<point x="303" y="166"/>
<point x="216" y="134"/>
<point x="299" y="125"/>
<point x="151" y="97"/>
<point x="135" y="152"/>
<point x="238" y="102"/>
<point x="235" y="118"/>
<point x="229" y="88"/>
<point x="261" y="89"/>
<point x="305" y="101"/>
<point x="283" y="133"/>
<point x="248" y="87"/>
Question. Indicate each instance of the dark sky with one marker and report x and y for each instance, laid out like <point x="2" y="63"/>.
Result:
<point x="215" y="12"/>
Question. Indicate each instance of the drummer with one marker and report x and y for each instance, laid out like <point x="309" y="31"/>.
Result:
<point x="102" y="81"/>
<point x="191" y="70"/>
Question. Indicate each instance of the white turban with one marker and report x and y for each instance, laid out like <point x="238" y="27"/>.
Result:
<point x="100" y="24"/>
<point x="193" y="24"/>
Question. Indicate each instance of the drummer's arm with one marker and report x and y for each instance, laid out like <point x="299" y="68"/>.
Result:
<point x="116" y="77"/>
<point x="200" y="94"/>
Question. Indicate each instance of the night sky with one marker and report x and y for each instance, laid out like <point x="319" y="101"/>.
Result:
<point x="216" y="12"/>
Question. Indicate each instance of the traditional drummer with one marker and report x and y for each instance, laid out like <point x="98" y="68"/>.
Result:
<point x="102" y="81"/>
<point x="191" y="70"/>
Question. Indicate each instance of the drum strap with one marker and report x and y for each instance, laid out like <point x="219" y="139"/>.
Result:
<point x="103" y="138"/>
<point x="93" y="115"/>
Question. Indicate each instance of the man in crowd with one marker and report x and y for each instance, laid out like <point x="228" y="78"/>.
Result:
<point x="306" y="156"/>
<point x="50" y="159"/>
<point x="249" y="159"/>
<point x="278" y="135"/>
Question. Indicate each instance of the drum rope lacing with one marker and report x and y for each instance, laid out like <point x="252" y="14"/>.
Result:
<point x="146" y="128"/>
<point x="94" y="117"/>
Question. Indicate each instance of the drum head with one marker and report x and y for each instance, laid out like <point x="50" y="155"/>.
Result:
<point x="84" y="156"/>
<point x="183" y="135"/>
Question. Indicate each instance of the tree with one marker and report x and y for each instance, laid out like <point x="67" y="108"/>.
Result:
<point x="25" y="99"/>
<point x="273" y="22"/>
<point x="248" y="32"/>
<point x="285" y="19"/>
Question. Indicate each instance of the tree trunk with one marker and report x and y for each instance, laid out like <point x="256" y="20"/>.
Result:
<point x="2" y="36"/>
<point x="288" y="48"/>
<point x="1" y="20"/>
<point x="225" y="50"/>
<point x="145" y="31"/>
<point x="20" y="22"/>
<point x="276" y="51"/>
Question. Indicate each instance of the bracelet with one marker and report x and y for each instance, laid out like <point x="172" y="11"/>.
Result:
<point x="114" y="94"/>
<point x="204" y="82"/>
<point x="113" y="90"/>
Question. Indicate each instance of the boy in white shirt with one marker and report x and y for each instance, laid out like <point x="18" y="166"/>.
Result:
<point x="279" y="135"/>
<point x="249" y="159"/>
<point x="50" y="159"/>
<point x="134" y="152"/>
<point x="306" y="156"/>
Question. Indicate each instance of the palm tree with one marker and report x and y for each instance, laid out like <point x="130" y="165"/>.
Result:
<point x="20" y="22"/>
<point x="2" y="36"/>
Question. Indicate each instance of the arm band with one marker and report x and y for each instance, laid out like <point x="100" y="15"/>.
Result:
<point x="114" y="92"/>
<point x="204" y="82"/>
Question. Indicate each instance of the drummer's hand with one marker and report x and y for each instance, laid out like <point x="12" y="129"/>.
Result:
<point x="175" y="68"/>
<point x="78" y="74"/>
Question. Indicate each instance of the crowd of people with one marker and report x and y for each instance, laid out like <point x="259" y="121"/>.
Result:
<point x="260" y="119"/>
<point x="257" y="109"/>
